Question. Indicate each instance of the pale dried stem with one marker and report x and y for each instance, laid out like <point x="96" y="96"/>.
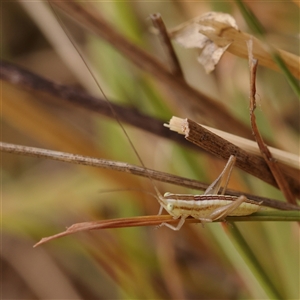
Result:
<point x="284" y="157"/>
<point x="222" y="148"/>
<point x="261" y="51"/>
<point x="134" y="170"/>
<point x="224" y="35"/>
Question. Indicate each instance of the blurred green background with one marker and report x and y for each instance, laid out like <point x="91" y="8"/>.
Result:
<point x="41" y="197"/>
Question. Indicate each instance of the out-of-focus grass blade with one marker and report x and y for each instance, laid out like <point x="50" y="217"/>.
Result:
<point x="258" y="29"/>
<point x="253" y="263"/>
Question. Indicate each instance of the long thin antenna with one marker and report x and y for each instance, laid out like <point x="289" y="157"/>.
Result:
<point x="106" y="98"/>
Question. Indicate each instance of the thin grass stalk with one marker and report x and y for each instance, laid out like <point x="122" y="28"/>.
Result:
<point x="133" y="169"/>
<point x="253" y="263"/>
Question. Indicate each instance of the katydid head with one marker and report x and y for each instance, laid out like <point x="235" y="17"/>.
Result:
<point x="163" y="201"/>
<point x="170" y="208"/>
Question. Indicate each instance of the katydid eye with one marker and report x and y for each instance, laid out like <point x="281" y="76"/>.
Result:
<point x="170" y="207"/>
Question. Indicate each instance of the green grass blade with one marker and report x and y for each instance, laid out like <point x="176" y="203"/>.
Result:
<point x="253" y="262"/>
<point x="251" y="19"/>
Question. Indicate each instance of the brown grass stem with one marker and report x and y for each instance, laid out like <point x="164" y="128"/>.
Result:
<point x="70" y="95"/>
<point x="221" y="148"/>
<point x="132" y="169"/>
<point x="266" y="154"/>
<point x="172" y="58"/>
<point x="158" y="219"/>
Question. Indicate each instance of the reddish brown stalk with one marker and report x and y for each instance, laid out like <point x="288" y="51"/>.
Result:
<point x="167" y="45"/>
<point x="153" y="221"/>
<point x="266" y="154"/>
<point x="105" y="224"/>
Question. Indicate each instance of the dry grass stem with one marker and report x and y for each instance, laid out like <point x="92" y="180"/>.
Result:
<point x="173" y="61"/>
<point x="266" y="154"/>
<point x="69" y="95"/>
<point x="221" y="34"/>
<point x="222" y="148"/>
<point x="101" y="163"/>
<point x="157" y="220"/>
<point x="286" y="158"/>
<point x="134" y="170"/>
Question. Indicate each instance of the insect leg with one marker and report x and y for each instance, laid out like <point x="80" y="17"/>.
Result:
<point x="179" y="225"/>
<point x="223" y="211"/>
<point x="160" y="210"/>
<point x="225" y="175"/>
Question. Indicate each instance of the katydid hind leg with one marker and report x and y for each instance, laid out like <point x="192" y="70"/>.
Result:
<point x="223" y="211"/>
<point x="214" y="188"/>
<point x="227" y="172"/>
